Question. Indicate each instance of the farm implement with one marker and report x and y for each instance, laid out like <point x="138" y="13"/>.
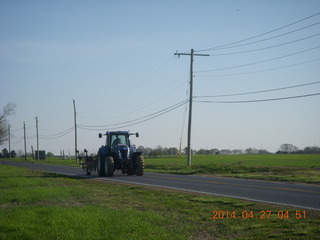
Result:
<point x="117" y="154"/>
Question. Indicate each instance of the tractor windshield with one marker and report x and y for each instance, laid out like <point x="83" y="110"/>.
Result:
<point x="119" y="139"/>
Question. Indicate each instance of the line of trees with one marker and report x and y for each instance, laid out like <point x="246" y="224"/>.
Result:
<point x="158" y="151"/>
<point x="285" y="148"/>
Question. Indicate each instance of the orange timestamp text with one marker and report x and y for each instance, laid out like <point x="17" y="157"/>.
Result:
<point x="263" y="214"/>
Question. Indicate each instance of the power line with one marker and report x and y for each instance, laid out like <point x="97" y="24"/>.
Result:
<point x="264" y="48"/>
<point x="269" y="38"/>
<point x="31" y="137"/>
<point x="58" y="135"/>
<point x="258" y="62"/>
<point x="259" y="35"/>
<point x="152" y="93"/>
<point x="136" y="85"/>
<point x="19" y="141"/>
<point x="255" y="92"/>
<point x="137" y="120"/>
<point x="17" y="129"/>
<point x="158" y="99"/>
<point x="261" y="100"/>
<point x="258" y="71"/>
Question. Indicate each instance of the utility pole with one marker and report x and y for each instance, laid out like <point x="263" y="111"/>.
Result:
<point x="191" y="54"/>
<point x="25" y="141"/>
<point x="75" y="130"/>
<point x="37" y="138"/>
<point x="9" y="142"/>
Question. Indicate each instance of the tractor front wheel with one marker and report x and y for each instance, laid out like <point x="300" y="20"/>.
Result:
<point x="109" y="166"/>
<point x="101" y="165"/>
<point x="140" y="166"/>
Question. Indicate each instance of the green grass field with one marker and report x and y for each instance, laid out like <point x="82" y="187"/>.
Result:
<point x="279" y="167"/>
<point x="39" y="205"/>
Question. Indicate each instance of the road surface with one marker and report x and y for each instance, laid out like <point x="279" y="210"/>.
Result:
<point x="302" y="196"/>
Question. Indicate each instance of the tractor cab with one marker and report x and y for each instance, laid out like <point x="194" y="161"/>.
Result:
<point x="117" y="138"/>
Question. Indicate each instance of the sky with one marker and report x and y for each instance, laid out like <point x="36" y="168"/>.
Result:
<point x="116" y="60"/>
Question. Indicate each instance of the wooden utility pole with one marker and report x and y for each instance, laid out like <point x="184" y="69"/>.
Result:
<point x="25" y="141"/>
<point x="75" y="130"/>
<point x="38" y="155"/>
<point x="9" y="142"/>
<point x="191" y="54"/>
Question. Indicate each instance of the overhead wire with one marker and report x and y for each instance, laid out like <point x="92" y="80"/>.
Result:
<point x="158" y="99"/>
<point x="130" y="89"/>
<point x="261" y="91"/>
<point x="258" y="71"/>
<point x="137" y="120"/>
<point x="258" y="35"/>
<point x="18" y="141"/>
<point x="58" y="135"/>
<point x="269" y="38"/>
<point x="260" y="100"/>
<point x="264" y="48"/>
<point x="258" y="62"/>
<point x="177" y="81"/>
<point x="16" y="129"/>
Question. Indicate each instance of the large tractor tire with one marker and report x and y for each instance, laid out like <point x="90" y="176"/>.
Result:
<point x="109" y="166"/>
<point x="101" y="165"/>
<point x="140" y="165"/>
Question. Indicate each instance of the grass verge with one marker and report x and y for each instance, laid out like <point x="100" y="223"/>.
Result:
<point x="39" y="205"/>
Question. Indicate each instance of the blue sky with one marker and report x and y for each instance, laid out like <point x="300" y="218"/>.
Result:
<point x="116" y="60"/>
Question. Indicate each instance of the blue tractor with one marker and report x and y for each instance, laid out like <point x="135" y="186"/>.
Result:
<point x="119" y="154"/>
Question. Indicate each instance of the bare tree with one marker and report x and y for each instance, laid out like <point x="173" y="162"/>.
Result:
<point x="7" y="111"/>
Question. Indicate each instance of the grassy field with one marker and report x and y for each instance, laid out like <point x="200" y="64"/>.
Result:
<point x="39" y="205"/>
<point x="279" y="167"/>
<point x="304" y="168"/>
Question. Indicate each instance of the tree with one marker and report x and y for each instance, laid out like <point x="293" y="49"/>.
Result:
<point x="173" y="151"/>
<point x="251" y="151"/>
<point x="7" y="111"/>
<point x="5" y="153"/>
<point x="13" y="154"/>
<point x="159" y="150"/>
<point x="313" y="150"/>
<point x="50" y="154"/>
<point x="288" y="148"/>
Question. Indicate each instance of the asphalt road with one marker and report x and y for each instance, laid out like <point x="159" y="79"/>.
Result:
<point x="302" y="196"/>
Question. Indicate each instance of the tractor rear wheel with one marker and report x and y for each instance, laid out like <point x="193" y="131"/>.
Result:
<point x="140" y="166"/>
<point x="101" y="165"/>
<point x="109" y="166"/>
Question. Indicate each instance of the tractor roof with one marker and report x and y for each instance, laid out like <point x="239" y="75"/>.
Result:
<point x="118" y="132"/>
